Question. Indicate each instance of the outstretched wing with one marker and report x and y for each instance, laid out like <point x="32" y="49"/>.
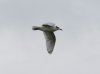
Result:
<point x="50" y="41"/>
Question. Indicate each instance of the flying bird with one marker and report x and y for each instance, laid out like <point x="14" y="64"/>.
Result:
<point x="48" y="30"/>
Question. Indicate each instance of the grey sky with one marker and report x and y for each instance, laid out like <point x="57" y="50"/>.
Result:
<point x="23" y="51"/>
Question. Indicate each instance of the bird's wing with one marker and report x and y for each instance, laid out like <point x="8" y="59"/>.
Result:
<point x="46" y="25"/>
<point x="50" y="41"/>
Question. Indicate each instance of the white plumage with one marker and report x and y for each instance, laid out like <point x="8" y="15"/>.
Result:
<point x="48" y="29"/>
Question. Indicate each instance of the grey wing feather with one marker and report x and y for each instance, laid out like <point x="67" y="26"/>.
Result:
<point x="45" y="25"/>
<point x="50" y="41"/>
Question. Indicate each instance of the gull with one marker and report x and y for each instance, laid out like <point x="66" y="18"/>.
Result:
<point x="48" y="30"/>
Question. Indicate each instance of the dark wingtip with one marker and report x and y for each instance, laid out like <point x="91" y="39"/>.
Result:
<point x="50" y="52"/>
<point x="35" y="28"/>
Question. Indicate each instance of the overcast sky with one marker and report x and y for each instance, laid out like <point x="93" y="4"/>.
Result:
<point x="77" y="49"/>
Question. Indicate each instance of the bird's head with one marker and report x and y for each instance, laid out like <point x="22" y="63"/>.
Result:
<point x="58" y="28"/>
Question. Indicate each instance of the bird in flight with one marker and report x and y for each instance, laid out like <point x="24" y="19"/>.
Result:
<point x="48" y="30"/>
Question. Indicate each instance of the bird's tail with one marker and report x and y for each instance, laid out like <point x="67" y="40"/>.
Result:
<point x="35" y="28"/>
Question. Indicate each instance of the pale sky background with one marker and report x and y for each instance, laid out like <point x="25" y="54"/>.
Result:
<point x="23" y="51"/>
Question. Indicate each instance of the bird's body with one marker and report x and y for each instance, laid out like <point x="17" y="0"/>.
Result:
<point x="48" y="29"/>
